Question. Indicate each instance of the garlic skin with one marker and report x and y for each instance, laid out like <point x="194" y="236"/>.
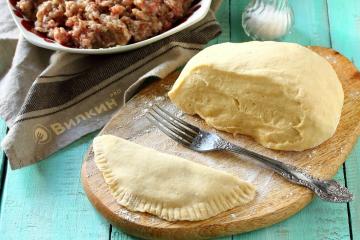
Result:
<point x="267" y="19"/>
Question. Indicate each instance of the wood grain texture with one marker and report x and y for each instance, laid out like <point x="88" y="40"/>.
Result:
<point x="117" y="234"/>
<point x="352" y="168"/>
<point x="344" y="20"/>
<point x="46" y="200"/>
<point x="282" y="199"/>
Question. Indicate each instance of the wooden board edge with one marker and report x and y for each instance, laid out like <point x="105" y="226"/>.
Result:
<point x="197" y="232"/>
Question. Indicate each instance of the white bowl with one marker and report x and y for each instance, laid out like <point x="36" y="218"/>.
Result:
<point x="199" y="14"/>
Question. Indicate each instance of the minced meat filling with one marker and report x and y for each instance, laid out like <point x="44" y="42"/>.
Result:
<point x="102" y="23"/>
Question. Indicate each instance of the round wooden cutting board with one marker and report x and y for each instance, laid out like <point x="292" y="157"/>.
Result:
<point x="276" y="198"/>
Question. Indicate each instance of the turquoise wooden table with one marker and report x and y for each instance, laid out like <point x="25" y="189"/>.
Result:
<point x="47" y="201"/>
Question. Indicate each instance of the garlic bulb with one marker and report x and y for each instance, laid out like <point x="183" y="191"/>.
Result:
<point x="267" y="19"/>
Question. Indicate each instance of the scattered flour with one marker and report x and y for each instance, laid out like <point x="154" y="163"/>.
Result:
<point x="355" y="95"/>
<point x="129" y="216"/>
<point x="331" y="59"/>
<point x="232" y="216"/>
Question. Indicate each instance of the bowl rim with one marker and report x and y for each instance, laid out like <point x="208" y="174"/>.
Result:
<point x="197" y="16"/>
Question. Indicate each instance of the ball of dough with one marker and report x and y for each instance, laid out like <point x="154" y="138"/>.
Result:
<point x="282" y="94"/>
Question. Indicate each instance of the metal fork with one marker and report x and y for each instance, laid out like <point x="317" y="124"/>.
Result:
<point x="201" y="141"/>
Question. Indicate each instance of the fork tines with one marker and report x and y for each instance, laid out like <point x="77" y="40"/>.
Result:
<point x="174" y="127"/>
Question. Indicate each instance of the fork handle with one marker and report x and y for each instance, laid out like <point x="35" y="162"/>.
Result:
<point x="328" y="190"/>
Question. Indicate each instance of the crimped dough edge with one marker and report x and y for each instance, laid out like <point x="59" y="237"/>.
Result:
<point x="238" y="196"/>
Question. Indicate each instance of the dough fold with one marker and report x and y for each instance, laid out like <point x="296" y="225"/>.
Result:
<point x="145" y="180"/>
<point x="282" y="94"/>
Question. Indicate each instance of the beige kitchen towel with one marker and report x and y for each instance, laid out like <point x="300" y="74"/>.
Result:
<point x="50" y="99"/>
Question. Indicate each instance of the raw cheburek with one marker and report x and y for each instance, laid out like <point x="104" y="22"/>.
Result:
<point x="145" y="180"/>
<point x="102" y="23"/>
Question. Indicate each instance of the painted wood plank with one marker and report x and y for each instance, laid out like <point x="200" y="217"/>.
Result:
<point x="237" y="31"/>
<point x="47" y="201"/>
<point x="320" y="220"/>
<point x="117" y="234"/>
<point x="352" y="169"/>
<point x="3" y="129"/>
<point x="344" y="19"/>
<point x="311" y="23"/>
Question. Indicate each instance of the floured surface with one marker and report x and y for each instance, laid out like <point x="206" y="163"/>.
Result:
<point x="276" y="199"/>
